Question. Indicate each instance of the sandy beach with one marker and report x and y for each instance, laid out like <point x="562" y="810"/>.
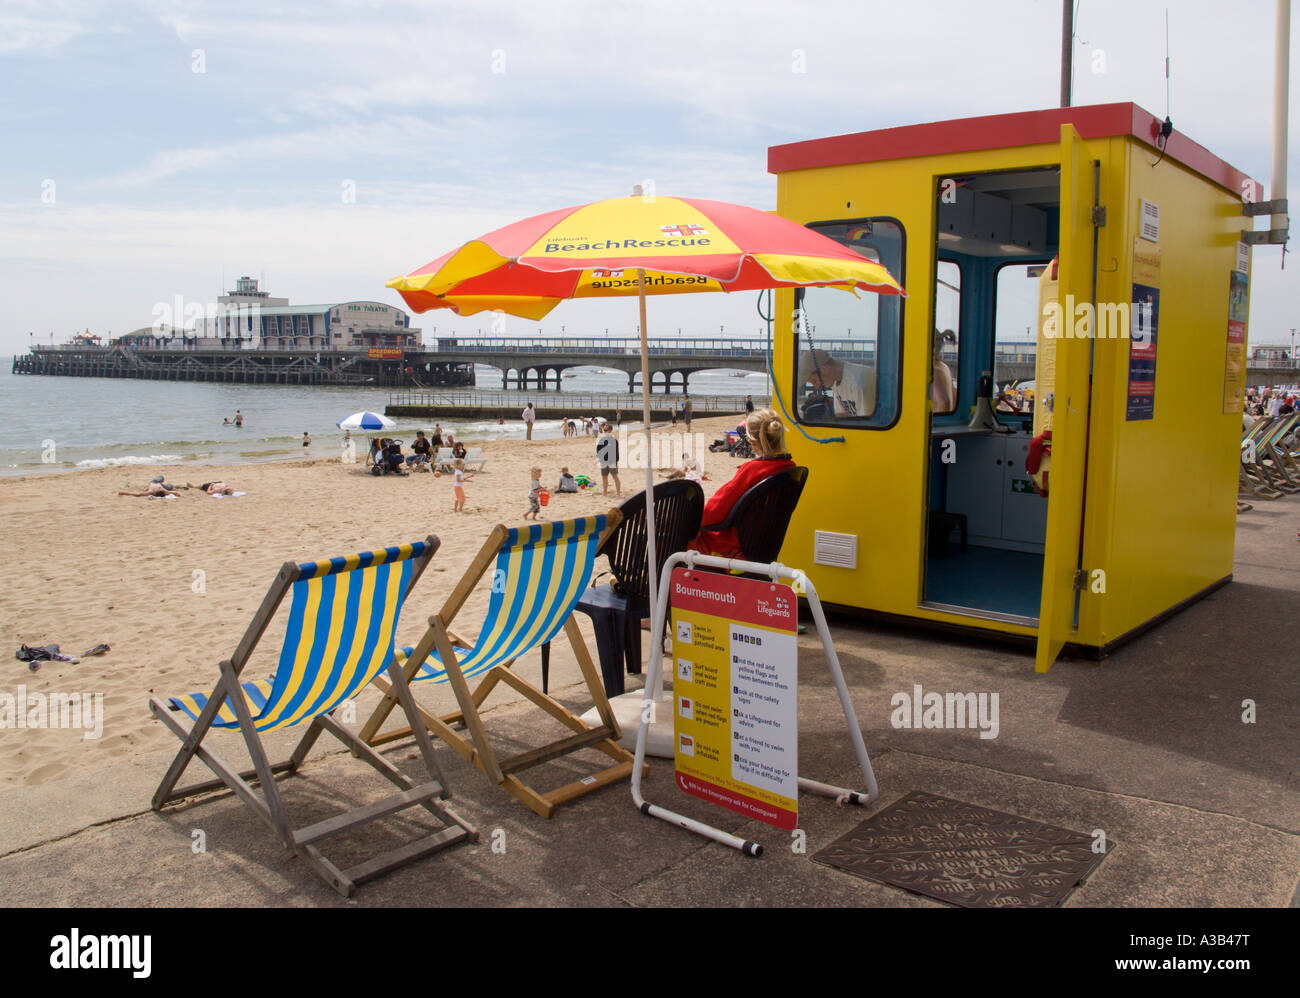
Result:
<point x="171" y="584"/>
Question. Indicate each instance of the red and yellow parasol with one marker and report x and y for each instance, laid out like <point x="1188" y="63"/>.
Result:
<point x="685" y="245"/>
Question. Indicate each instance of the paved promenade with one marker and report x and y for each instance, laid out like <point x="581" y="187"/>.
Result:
<point x="1200" y="808"/>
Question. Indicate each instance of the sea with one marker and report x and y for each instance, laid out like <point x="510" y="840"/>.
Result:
<point x="52" y="424"/>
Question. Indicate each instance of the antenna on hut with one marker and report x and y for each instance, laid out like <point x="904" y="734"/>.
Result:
<point x="1067" y="50"/>
<point x="1168" y="107"/>
<point x="1167" y="126"/>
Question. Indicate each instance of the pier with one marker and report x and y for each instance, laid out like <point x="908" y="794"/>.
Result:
<point x="349" y="366"/>
<point x="526" y="363"/>
<point x="538" y="362"/>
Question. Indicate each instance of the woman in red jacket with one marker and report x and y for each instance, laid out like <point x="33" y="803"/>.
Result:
<point x="767" y="436"/>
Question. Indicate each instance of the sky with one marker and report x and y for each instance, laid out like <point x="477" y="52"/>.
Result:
<point x="165" y="147"/>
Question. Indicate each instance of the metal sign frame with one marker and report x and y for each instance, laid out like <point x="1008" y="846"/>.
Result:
<point x="802" y="585"/>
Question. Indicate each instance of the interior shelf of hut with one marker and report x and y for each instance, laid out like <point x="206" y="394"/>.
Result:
<point x="986" y="523"/>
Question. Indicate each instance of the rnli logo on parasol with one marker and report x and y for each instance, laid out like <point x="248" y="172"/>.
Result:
<point x="678" y="239"/>
<point x="607" y="273"/>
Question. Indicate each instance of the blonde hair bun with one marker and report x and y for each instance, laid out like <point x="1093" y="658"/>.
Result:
<point x="767" y="432"/>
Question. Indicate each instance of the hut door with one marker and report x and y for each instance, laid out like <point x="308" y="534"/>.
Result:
<point x="1070" y="395"/>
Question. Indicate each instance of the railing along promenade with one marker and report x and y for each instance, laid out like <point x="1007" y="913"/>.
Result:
<point x="571" y="403"/>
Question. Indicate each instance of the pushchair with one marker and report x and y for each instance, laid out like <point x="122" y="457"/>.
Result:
<point x="735" y="443"/>
<point x="388" y="458"/>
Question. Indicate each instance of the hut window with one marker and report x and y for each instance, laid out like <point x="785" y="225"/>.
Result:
<point x="848" y="350"/>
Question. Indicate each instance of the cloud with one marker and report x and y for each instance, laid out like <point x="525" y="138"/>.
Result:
<point x="336" y="141"/>
<point x="399" y="92"/>
<point x="29" y="27"/>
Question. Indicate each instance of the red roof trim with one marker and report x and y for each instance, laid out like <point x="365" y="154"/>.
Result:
<point x="1000" y="131"/>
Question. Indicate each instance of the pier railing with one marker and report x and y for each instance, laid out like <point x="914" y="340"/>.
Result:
<point x="575" y="402"/>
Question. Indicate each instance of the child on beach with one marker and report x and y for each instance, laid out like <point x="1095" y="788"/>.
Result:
<point x="458" y="486"/>
<point x="534" y="503"/>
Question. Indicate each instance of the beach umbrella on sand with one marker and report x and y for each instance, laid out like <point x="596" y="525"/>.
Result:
<point x="639" y="245"/>
<point x="365" y="421"/>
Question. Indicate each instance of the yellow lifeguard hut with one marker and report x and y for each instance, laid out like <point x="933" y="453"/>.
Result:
<point x="1079" y="249"/>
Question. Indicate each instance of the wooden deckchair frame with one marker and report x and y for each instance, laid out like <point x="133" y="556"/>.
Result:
<point x="269" y="807"/>
<point x="478" y="748"/>
<point x="1275" y="448"/>
<point x="1256" y="479"/>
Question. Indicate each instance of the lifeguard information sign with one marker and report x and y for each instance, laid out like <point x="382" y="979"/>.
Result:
<point x="736" y="694"/>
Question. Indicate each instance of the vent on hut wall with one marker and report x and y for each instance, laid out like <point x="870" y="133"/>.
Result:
<point x="839" y="550"/>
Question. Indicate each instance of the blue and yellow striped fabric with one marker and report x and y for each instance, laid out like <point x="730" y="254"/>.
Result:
<point x="539" y="576"/>
<point x="339" y="637"/>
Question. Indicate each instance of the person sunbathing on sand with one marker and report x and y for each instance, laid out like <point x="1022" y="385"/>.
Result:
<point x="212" y="488"/>
<point x="154" y="490"/>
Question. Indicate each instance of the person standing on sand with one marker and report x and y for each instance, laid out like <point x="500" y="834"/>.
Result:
<point x="529" y="414"/>
<point x="686" y="413"/>
<point x="607" y="460"/>
<point x="749" y="404"/>
<point x="534" y="490"/>
<point x="458" y="486"/>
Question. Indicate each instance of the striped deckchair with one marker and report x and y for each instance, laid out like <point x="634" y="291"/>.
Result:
<point x="1255" y="478"/>
<point x="1271" y="466"/>
<point x="338" y="639"/>
<point x="540" y="572"/>
<point x="1276" y="446"/>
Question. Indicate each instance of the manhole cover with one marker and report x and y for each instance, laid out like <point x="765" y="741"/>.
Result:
<point x="965" y="854"/>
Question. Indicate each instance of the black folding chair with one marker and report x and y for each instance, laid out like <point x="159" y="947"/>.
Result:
<point x="616" y="610"/>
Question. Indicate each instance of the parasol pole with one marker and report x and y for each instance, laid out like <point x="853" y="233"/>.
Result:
<point x="649" y="468"/>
